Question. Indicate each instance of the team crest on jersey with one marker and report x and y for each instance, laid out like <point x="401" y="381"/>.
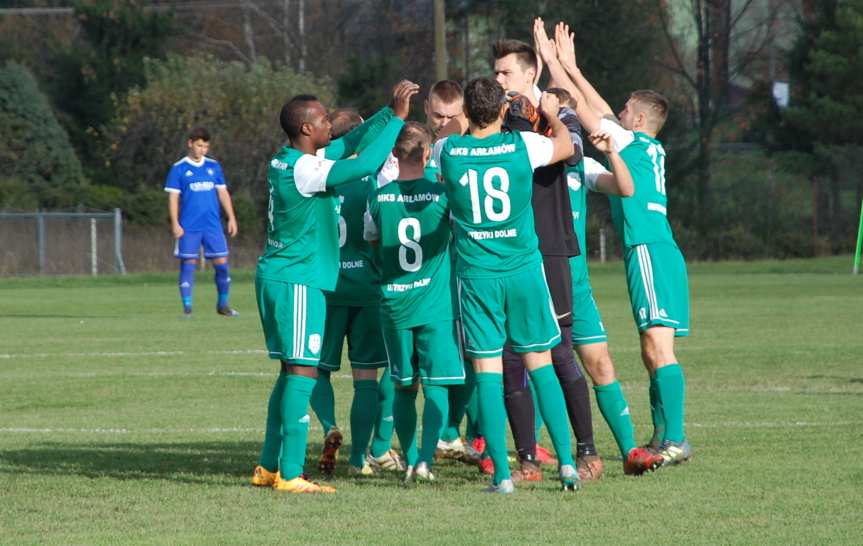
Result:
<point x="315" y="343"/>
<point x="573" y="181"/>
<point x="210" y="171"/>
<point x="189" y="173"/>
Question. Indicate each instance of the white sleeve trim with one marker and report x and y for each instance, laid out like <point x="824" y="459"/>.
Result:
<point x="173" y="190"/>
<point x="389" y="171"/>
<point x="310" y="174"/>
<point x="370" y="230"/>
<point x="540" y="149"/>
<point x="593" y="169"/>
<point x="622" y="137"/>
<point x="437" y="150"/>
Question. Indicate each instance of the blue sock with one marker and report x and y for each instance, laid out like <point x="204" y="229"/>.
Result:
<point x="223" y="283"/>
<point x="186" y="282"/>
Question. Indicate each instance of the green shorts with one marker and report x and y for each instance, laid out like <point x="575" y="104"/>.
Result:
<point x="362" y="326"/>
<point x="517" y="308"/>
<point x="292" y="316"/>
<point x="658" y="287"/>
<point x="429" y="351"/>
<point x="587" y="327"/>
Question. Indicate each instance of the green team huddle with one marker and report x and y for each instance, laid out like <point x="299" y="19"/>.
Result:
<point x="417" y="244"/>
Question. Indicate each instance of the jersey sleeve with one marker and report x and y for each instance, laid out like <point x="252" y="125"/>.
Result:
<point x="539" y="149"/>
<point x="568" y="118"/>
<point x="622" y="137"/>
<point x="219" y="175"/>
<point x="370" y="229"/>
<point x="310" y="174"/>
<point x="172" y="181"/>
<point x="369" y="160"/>
<point x="437" y="150"/>
<point x="389" y="171"/>
<point x="360" y="136"/>
<point x="593" y="169"/>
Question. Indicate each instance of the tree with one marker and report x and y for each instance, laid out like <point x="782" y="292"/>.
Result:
<point x="38" y="165"/>
<point x="239" y="104"/>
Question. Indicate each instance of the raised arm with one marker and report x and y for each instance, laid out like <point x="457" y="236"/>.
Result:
<point x="565" y="45"/>
<point x="560" y="137"/>
<point x="619" y="180"/>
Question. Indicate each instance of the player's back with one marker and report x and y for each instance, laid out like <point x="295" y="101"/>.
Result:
<point x="489" y="184"/>
<point x="412" y="220"/>
<point x="302" y="230"/>
<point x="642" y="218"/>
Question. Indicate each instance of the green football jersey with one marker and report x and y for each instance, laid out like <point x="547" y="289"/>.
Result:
<point x="410" y="221"/>
<point x="358" y="282"/>
<point x="489" y="182"/>
<point x="302" y="230"/>
<point x="580" y="178"/>
<point x="641" y="218"/>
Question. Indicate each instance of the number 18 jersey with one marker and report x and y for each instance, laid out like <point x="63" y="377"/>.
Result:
<point x="489" y="182"/>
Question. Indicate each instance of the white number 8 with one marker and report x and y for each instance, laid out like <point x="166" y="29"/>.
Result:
<point x="412" y="243"/>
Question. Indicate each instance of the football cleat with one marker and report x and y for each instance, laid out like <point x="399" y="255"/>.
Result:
<point x="187" y="311"/>
<point x="300" y="485"/>
<point x="330" y="453"/>
<point x="529" y="471"/>
<point x="408" y="478"/>
<point x="674" y="453"/>
<point x="505" y="487"/>
<point x="450" y="450"/>
<point x="486" y="466"/>
<point x="569" y="478"/>
<point x="263" y="477"/>
<point x="640" y="460"/>
<point x="544" y="456"/>
<point x="361" y="471"/>
<point x="423" y="474"/>
<point x="589" y="467"/>
<point x="227" y="312"/>
<point x="476" y="447"/>
<point x="388" y="461"/>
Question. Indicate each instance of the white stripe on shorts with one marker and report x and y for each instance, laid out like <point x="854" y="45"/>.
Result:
<point x="647" y="279"/>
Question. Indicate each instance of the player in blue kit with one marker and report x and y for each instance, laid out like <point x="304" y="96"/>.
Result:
<point x="196" y="189"/>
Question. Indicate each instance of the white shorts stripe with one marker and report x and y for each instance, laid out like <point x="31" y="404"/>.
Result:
<point x="647" y="280"/>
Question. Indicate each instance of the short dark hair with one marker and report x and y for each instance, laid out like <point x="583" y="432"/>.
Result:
<point x="199" y="133"/>
<point x="524" y="52"/>
<point x="447" y="91"/>
<point x="413" y="140"/>
<point x="656" y="105"/>
<point x="344" y="120"/>
<point x="562" y="95"/>
<point x="294" y="113"/>
<point x="483" y="98"/>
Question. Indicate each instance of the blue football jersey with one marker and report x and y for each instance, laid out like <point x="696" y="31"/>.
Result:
<point x="199" y="200"/>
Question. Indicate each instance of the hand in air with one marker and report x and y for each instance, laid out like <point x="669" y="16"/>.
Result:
<point x="549" y="104"/>
<point x="602" y="141"/>
<point x="544" y="46"/>
<point x="564" y="42"/>
<point x="402" y="94"/>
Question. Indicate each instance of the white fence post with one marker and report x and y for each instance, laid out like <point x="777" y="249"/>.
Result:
<point x="94" y="249"/>
<point x="602" y="256"/>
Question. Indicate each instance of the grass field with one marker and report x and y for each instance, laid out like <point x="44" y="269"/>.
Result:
<point x="122" y="423"/>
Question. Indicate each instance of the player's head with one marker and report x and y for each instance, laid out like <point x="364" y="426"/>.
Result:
<point x="344" y="120"/>
<point x="444" y="102"/>
<point x="413" y="145"/>
<point x="563" y="96"/>
<point x="646" y="110"/>
<point x="304" y="117"/>
<point x="515" y="65"/>
<point x="484" y="102"/>
<point x="198" y="143"/>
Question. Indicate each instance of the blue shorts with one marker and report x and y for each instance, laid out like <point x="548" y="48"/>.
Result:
<point x="215" y="244"/>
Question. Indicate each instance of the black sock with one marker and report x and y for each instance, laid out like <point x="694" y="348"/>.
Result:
<point x="575" y="392"/>
<point x="518" y="400"/>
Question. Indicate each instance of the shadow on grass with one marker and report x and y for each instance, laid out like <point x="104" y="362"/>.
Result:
<point x="192" y="462"/>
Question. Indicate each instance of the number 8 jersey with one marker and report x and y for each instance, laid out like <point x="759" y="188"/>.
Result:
<point x="410" y="221"/>
<point x="489" y="182"/>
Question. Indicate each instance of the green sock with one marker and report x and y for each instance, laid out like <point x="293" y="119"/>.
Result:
<point x="324" y="401"/>
<point x="383" y="435"/>
<point x="492" y="414"/>
<point x="553" y="408"/>
<point x="656" y="410"/>
<point x="295" y="425"/>
<point x="434" y="417"/>
<point x="471" y="410"/>
<point x="615" y="410"/>
<point x="273" y="436"/>
<point x="672" y="394"/>
<point x="459" y="396"/>
<point x="405" y="415"/>
<point x="537" y="413"/>
<point x="363" y="410"/>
